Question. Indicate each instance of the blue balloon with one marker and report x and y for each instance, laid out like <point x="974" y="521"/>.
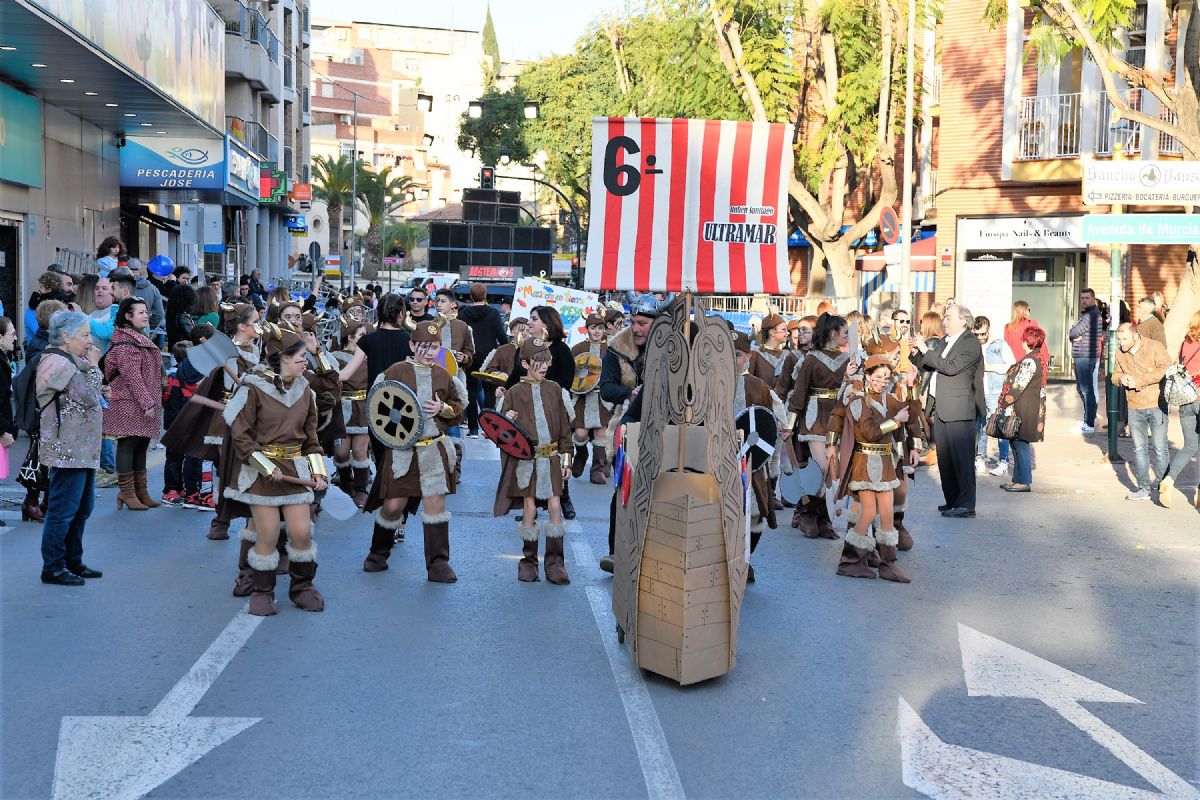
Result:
<point x="161" y="265"/>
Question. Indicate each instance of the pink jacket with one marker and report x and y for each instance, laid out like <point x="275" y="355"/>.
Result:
<point x="133" y="369"/>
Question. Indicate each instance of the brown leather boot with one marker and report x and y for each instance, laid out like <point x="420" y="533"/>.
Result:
<point x="143" y="493"/>
<point x="218" y="529"/>
<point x="888" y="569"/>
<point x="245" y="577"/>
<point x="805" y="518"/>
<point x="303" y="570"/>
<point x="579" y="459"/>
<point x="128" y="495"/>
<point x="527" y="567"/>
<point x="599" y="475"/>
<point x="556" y="566"/>
<point x="383" y="538"/>
<point x="906" y="539"/>
<point x="853" y="563"/>
<point x="344" y="479"/>
<point x="362" y="483"/>
<point x="825" y="528"/>
<point x="281" y="548"/>
<point x="437" y="548"/>
<point x="262" y="595"/>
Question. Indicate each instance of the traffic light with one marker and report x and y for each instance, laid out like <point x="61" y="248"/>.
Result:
<point x="487" y="178"/>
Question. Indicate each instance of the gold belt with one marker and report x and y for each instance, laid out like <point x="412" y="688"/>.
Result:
<point x="873" y="449"/>
<point x="428" y="441"/>
<point x="357" y="394"/>
<point x="545" y="451"/>
<point x="828" y="394"/>
<point x="227" y="396"/>
<point x="282" y="451"/>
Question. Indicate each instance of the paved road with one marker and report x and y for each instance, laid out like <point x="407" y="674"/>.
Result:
<point x="499" y="689"/>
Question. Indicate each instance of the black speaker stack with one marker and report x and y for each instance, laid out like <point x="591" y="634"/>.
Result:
<point x="489" y="236"/>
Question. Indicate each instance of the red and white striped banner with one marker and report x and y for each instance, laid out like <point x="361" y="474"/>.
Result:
<point x="689" y="204"/>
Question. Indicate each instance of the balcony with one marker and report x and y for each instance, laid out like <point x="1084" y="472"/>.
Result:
<point x="251" y="48"/>
<point x="251" y="134"/>
<point x="1051" y="126"/>
<point x="305" y="27"/>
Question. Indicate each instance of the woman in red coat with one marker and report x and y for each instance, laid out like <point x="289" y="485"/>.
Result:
<point x="133" y="370"/>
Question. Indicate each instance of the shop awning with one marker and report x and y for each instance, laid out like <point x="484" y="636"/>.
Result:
<point x="924" y="257"/>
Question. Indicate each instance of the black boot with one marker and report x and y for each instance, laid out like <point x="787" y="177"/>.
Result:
<point x="383" y="537"/>
<point x="362" y="483"/>
<point x="344" y="477"/>
<point x="568" y="508"/>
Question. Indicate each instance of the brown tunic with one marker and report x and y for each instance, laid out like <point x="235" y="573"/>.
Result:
<point x="751" y="391"/>
<point x="766" y="364"/>
<point x="427" y="468"/>
<point x="590" y="411"/>
<point x="322" y="376"/>
<point x="354" y="411"/>
<point x="543" y="414"/>
<point x="260" y="416"/>
<point x="868" y="471"/>
<point x="456" y="336"/>
<point x="225" y="385"/>
<point x="819" y="378"/>
<point x="501" y="360"/>
<point x="786" y="380"/>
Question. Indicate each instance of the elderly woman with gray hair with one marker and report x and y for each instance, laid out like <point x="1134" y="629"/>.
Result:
<point x="70" y="394"/>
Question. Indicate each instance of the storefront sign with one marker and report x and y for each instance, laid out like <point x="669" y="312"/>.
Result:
<point x="168" y="162"/>
<point x="302" y="192"/>
<point x="20" y="137"/>
<point x="1141" y="229"/>
<point x="243" y="170"/>
<point x="1141" y="183"/>
<point x="1021" y="233"/>
<point x="272" y="184"/>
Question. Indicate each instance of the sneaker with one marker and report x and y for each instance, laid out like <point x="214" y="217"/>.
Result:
<point x="980" y="465"/>
<point x="1084" y="428"/>
<point x="1000" y="470"/>
<point x="201" y="502"/>
<point x="1138" y="494"/>
<point x="173" y="498"/>
<point x="105" y="479"/>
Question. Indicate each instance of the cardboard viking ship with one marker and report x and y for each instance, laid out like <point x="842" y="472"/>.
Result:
<point x="677" y="206"/>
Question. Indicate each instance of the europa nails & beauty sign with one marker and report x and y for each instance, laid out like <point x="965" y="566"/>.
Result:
<point x="168" y="162"/>
<point x="243" y="170"/>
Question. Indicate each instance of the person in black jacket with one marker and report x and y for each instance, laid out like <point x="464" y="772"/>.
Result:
<point x="487" y="330"/>
<point x="8" y="344"/>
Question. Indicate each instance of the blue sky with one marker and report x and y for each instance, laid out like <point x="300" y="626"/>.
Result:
<point x="524" y="28"/>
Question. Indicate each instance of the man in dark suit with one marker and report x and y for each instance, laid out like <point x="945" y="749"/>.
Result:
<point x="955" y="364"/>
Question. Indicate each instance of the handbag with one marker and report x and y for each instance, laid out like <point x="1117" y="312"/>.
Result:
<point x="1178" y="388"/>
<point x="1001" y="425"/>
<point x="33" y="475"/>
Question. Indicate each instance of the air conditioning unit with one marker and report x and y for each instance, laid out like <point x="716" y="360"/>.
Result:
<point x="344" y="119"/>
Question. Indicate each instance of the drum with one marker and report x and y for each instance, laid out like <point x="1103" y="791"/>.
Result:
<point x="394" y="415"/>
<point x="587" y="373"/>
<point x="759" y="433"/>
<point x="505" y="434"/>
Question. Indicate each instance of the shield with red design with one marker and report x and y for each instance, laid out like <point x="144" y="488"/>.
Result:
<point x="506" y="434"/>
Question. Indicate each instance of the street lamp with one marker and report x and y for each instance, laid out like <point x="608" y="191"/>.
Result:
<point x="424" y="102"/>
<point x="531" y="109"/>
<point x="475" y="109"/>
<point x="505" y="159"/>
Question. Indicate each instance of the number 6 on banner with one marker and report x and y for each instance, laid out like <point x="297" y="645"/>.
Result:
<point x="613" y="172"/>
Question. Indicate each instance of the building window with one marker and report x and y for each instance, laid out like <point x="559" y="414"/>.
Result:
<point x="345" y="148"/>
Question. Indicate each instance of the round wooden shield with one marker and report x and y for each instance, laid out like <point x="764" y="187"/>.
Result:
<point x="447" y="361"/>
<point x="494" y="378"/>
<point x="587" y="373"/>
<point x="506" y="434"/>
<point x="759" y="432"/>
<point x="394" y="414"/>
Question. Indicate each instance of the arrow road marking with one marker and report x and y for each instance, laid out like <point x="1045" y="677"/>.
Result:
<point x="124" y="758"/>
<point x="654" y="754"/>
<point x="993" y="668"/>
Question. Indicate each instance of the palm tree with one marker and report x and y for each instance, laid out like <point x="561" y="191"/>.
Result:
<point x="405" y="236"/>
<point x="332" y="182"/>
<point x="380" y="194"/>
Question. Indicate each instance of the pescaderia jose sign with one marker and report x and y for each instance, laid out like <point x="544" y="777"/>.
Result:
<point x="167" y="162"/>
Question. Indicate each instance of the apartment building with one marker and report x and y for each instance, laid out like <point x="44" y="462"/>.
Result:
<point x="1012" y="144"/>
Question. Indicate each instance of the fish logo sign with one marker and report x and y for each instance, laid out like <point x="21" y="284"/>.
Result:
<point x="189" y="155"/>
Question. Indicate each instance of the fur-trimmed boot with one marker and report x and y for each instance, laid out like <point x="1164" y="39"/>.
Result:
<point x="600" y="471"/>
<point x="343" y="477"/>
<point x="579" y="459"/>
<point x="262" y="595"/>
<point x="906" y="539"/>
<point x="527" y="567"/>
<point x="853" y="563"/>
<point x="281" y="548"/>
<point x="825" y="528"/>
<point x="437" y="548"/>
<point x="805" y="517"/>
<point x="127" y="496"/>
<point x="218" y="529"/>
<point x="556" y="566"/>
<point x="888" y="569"/>
<point x="303" y="570"/>
<point x="382" y="538"/>
<point x="244" y="583"/>
<point x="362" y="481"/>
<point x="143" y="491"/>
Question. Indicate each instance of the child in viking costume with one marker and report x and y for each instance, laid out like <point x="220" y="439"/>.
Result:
<point x="817" y="384"/>
<point x="352" y="456"/>
<point x="538" y="406"/>
<point x="592" y="414"/>
<point x="273" y="429"/>
<point x="873" y="417"/>
<point x="500" y="362"/>
<point x="767" y="363"/>
<point x="323" y="379"/>
<point x="752" y="391"/>
<point x="424" y="473"/>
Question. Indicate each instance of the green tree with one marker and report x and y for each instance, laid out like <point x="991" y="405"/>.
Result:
<point x="499" y="130"/>
<point x="380" y="195"/>
<point x="1062" y="26"/>
<point x="491" y="52"/>
<point x="404" y="236"/>
<point x="332" y="185"/>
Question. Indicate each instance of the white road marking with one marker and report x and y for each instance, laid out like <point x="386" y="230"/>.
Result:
<point x="127" y="757"/>
<point x="993" y="668"/>
<point x="658" y="767"/>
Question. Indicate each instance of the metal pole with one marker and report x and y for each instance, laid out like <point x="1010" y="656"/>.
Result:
<point x="906" y="213"/>
<point x="1116" y="292"/>
<point x="353" y="192"/>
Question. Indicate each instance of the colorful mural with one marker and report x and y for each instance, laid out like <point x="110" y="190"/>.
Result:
<point x="177" y="45"/>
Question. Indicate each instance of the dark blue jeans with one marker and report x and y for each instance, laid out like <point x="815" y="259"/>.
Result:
<point x="1149" y="429"/>
<point x="1085" y="375"/>
<point x="1023" y="456"/>
<point x="72" y="497"/>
